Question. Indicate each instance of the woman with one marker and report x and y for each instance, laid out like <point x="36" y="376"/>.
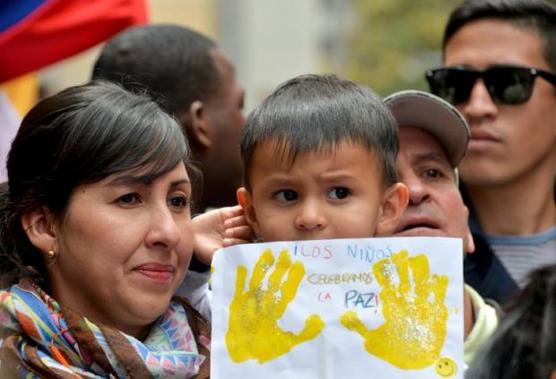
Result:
<point x="95" y="237"/>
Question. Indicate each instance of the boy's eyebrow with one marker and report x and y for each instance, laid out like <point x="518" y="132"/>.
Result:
<point x="338" y="174"/>
<point x="285" y="180"/>
<point x="278" y="179"/>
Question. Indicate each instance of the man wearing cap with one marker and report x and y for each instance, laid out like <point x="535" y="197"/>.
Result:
<point x="500" y="72"/>
<point x="433" y="140"/>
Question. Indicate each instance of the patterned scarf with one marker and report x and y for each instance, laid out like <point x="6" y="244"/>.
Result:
<point x="40" y="338"/>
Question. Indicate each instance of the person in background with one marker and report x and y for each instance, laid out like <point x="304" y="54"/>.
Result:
<point x="95" y="237"/>
<point x="433" y="140"/>
<point x="194" y="81"/>
<point x="524" y="345"/>
<point x="500" y="71"/>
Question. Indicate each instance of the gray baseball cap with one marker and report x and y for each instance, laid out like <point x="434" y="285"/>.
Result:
<point x="436" y="116"/>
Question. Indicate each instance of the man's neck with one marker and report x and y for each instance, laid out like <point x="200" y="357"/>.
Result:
<point x="523" y="207"/>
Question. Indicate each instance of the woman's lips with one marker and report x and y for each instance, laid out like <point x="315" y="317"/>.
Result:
<point x="156" y="271"/>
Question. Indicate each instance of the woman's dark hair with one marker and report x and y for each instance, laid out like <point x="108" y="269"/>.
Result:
<point x="78" y="136"/>
<point x="524" y="345"/>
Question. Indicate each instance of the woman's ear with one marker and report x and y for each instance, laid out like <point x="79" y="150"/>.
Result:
<point x="246" y="201"/>
<point x="394" y="202"/>
<point x="39" y="226"/>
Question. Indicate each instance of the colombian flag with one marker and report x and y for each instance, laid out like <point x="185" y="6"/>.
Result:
<point x="36" y="33"/>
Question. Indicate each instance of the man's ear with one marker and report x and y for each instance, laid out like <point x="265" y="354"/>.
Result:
<point x="198" y="128"/>
<point x="39" y="226"/>
<point x="245" y="199"/>
<point x="394" y="202"/>
<point x="469" y="244"/>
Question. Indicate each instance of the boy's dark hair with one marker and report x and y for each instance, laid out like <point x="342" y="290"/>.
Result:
<point x="78" y="136"/>
<point x="171" y="62"/>
<point x="317" y="112"/>
<point x="524" y="345"/>
<point x="537" y="15"/>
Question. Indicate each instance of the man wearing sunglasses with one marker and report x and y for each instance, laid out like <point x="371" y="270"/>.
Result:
<point x="500" y="72"/>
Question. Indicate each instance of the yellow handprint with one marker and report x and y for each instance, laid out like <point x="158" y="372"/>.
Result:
<point x="253" y="330"/>
<point x="414" y="326"/>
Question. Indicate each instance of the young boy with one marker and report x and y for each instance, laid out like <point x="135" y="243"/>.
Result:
<point x="319" y="157"/>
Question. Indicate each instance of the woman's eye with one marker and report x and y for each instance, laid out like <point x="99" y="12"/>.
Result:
<point x="129" y="199"/>
<point x="286" y="195"/>
<point x="179" y="201"/>
<point x="339" y="193"/>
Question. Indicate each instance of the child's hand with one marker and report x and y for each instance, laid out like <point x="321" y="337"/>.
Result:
<point x="414" y="326"/>
<point x="253" y="331"/>
<point x="219" y="228"/>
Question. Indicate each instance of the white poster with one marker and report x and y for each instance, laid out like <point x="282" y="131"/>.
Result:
<point x="350" y="308"/>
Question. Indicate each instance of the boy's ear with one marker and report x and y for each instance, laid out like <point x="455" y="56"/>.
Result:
<point x="394" y="202"/>
<point x="198" y="129"/>
<point x="246" y="201"/>
<point x="39" y="226"/>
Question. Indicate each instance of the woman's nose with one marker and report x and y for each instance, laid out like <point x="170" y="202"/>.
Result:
<point x="164" y="231"/>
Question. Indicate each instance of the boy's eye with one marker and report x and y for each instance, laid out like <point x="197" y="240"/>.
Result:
<point x="286" y="195"/>
<point x="129" y="199"/>
<point x="339" y="193"/>
<point x="179" y="201"/>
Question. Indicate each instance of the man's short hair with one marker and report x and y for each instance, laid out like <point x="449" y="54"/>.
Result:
<point x="314" y="112"/>
<point x="171" y="63"/>
<point x="538" y="15"/>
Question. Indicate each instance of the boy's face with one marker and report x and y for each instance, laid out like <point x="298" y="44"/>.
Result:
<point x="335" y="193"/>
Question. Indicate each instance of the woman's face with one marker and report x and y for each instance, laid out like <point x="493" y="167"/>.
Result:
<point x="123" y="247"/>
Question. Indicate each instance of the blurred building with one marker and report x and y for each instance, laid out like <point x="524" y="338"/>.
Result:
<point x="269" y="41"/>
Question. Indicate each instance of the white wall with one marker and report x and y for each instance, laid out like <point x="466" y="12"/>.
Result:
<point x="269" y="41"/>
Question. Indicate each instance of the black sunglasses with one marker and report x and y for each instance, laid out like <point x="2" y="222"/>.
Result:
<point x="506" y="84"/>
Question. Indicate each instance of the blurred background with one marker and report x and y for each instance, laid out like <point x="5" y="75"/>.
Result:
<point x="384" y="44"/>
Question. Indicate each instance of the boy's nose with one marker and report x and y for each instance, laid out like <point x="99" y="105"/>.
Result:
<point x="163" y="229"/>
<point x="310" y="217"/>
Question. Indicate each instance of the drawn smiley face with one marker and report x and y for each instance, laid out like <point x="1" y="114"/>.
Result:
<point x="445" y="367"/>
